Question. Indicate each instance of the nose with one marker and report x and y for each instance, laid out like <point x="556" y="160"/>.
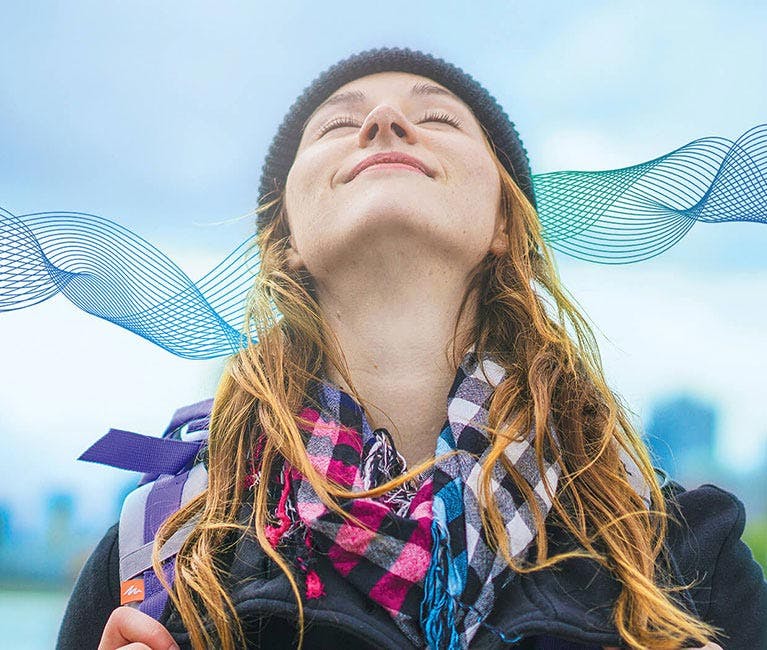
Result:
<point x="386" y="123"/>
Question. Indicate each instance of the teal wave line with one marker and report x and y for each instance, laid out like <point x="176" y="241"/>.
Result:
<point x="617" y="216"/>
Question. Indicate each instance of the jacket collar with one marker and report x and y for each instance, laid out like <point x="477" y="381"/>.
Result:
<point x="572" y="600"/>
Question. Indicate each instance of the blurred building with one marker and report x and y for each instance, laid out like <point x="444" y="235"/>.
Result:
<point x="681" y="433"/>
<point x="43" y="556"/>
<point x="6" y="531"/>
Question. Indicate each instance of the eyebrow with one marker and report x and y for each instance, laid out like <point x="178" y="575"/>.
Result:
<point x="419" y="89"/>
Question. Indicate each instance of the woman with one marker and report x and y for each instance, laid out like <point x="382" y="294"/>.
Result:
<point x="403" y="249"/>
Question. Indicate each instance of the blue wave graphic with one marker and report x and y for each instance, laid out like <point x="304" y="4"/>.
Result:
<point x="616" y="216"/>
<point x="108" y="271"/>
<point x="635" y="213"/>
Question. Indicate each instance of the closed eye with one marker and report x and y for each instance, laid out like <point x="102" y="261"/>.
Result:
<point x="348" y="120"/>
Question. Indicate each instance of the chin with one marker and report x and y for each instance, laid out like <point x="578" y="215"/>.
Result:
<point x="379" y="200"/>
<point x="400" y="232"/>
<point x="393" y="220"/>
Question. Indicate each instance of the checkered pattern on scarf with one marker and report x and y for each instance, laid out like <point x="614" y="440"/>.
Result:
<point x="436" y="520"/>
<point x="388" y="562"/>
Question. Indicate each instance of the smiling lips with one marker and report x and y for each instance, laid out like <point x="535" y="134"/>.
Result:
<point x="394" y="158"/>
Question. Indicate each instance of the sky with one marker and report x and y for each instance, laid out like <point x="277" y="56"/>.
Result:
<point x="159" y="115"/>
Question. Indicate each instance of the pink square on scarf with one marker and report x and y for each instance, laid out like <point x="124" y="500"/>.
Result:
<point x="330" y="429"/>
<point x="414" y="559"/>
<point x="351" y="541"/>
<point x="349" y="547"/>
<point x="342" y="473"/>
<point x="322" y="429"/>
<point x="348" y="436"/>
<point x="342" y="560"/>
<point x="421" y="504"/>
<point x="308" y="510"/>
<point x="369" y="511"/>
<point x="390" y="591"/>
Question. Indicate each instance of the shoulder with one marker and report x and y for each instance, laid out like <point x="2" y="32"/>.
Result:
<point x="729" y="588"/>
<point x="704" y="522"/>
<point x="95" y="594"/>
<point x="708" y="513"/>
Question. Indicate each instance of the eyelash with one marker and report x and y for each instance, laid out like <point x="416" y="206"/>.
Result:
<point x="349" y="120"/>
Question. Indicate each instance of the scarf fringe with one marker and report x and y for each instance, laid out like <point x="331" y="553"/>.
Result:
<point x="313" y="583"/>
<point x="437" y="606"/>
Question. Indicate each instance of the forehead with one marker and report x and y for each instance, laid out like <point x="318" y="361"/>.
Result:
<point x="369" y="87"/>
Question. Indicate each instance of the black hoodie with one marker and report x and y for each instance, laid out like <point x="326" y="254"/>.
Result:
<point x="565" y="607"/>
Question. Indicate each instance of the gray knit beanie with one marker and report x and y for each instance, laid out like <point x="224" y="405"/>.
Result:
<point x="490" y="114"/>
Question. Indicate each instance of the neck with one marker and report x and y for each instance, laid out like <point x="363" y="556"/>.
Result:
<point x="396" y="333"/>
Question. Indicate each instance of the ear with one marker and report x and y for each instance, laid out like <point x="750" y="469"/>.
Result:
<point x="499" y="245"/>
<point x="295" y="262"/>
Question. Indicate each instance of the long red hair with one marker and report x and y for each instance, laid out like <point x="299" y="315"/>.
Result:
<point x="555" y="378"/>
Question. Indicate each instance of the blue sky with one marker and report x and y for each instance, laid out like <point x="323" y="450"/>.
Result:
<point x="158" y="116"/>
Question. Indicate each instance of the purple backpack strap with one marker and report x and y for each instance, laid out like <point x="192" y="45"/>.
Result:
<point x="193" y="416"/>
<point x="144" y="511"/>
<point x="139" y="453"/>
<point x="173" y="476"/>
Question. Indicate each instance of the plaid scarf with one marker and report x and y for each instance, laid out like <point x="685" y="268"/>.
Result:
<point x="424" y="557"/>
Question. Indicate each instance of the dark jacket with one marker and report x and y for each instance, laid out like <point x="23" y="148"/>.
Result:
<point x="565" y="607"/>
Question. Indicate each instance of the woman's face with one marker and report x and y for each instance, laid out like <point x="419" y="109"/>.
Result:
<point x="449" y="215"/>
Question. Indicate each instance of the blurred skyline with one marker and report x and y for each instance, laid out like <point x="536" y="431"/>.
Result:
<point x="159" y="117"/>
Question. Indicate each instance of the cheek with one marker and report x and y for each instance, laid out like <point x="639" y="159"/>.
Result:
<point x="306" y="190"/>
<point x="295" y="185"/>
<point x="299" y="188"/>
<point x="482" y="196"/>
<point x="481" y="171"/>
<point x="479" y="182"/>
<point x="309" y="180"/>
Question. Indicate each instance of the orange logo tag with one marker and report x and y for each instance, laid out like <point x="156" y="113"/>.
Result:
<point x="132" y="591"/>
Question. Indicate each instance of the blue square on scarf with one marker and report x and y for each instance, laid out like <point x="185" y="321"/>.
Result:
<point x="452" y="496"/>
